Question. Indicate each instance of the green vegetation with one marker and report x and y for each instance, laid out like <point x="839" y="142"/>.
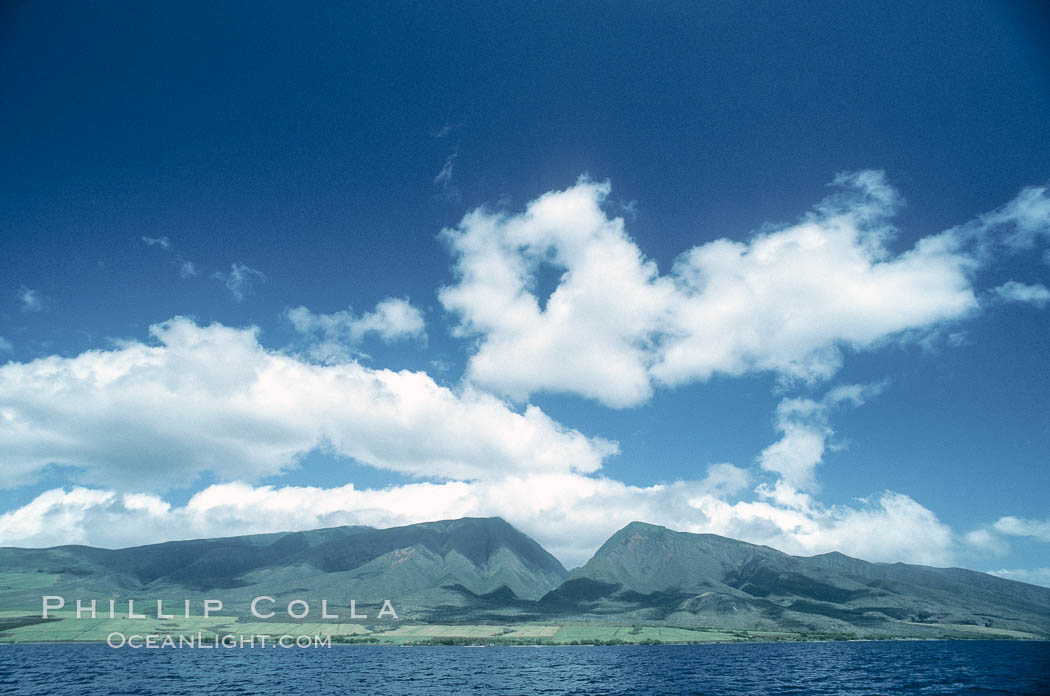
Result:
<point x="704" y="580"/>
<point x="481" y="582"/>
<point x="25" y="581"/>
<point x="69" y="629"/>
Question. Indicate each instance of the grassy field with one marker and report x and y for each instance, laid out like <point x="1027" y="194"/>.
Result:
<point x="21" y="627"/>
<point x="25" y="581"/>
<point x="18" y="627"/>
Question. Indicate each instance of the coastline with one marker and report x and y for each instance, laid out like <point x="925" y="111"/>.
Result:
<point x="457" y="638"/>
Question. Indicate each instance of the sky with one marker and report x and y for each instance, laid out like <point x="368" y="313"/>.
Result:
<point x="770" y="271"/>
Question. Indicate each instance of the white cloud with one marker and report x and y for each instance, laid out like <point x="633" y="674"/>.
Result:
<point x="1013" y="291"/>
<point x="987" y="541"/>
<point x="1033" y="576"/>
<point x="240" y="281"/>
<point x="1016" y="526"/>
<point x="593" y="337"/>
<point x="335" y="337"/>
<point x="162" y="242"/>
<point x="803" y="424"/>
<point x="906" y="530"/>
<point x="570" y="514"/>
<point x="726" y="480"/>
<point x="30" y="299"/>
<point x="787" y="301"/>
<point x="144" y="417"/>
<point x="1019" y="225"/>
<point x="212" y="399"/>
<point x="1027" y="216"/>
<point x="6" y="346"/>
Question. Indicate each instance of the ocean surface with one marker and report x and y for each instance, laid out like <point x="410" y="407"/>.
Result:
<point x="937" y="667"/>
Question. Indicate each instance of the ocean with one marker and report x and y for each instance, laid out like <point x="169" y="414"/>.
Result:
<point x="870" y="668"/>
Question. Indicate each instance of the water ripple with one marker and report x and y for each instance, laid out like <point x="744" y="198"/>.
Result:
<point x="818" y="669"/>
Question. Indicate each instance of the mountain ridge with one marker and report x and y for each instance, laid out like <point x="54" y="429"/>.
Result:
<point x="649" y="571"/>
<point x="484" y="569"/>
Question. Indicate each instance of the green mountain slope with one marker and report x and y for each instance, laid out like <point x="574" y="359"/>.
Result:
<point x="484" y="570"/>
<point x="646" y="572"/>
<point x="430" y="567"/>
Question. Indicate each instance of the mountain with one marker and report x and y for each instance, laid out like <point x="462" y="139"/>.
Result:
<point x="484" y="570"/>
<point x="425" y="568"/>
<point x="649" y="573"/>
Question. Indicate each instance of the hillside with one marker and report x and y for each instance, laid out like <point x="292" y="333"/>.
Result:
<point x="425" y="568"/>
<point x="646" y="572"/>
<point x="485" y="571"/>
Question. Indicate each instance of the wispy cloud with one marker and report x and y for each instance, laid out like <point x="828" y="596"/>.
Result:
<point x="1027" y="218"/>
<point x="31" y="300"/>
<point x="187" y="269"/>
<point x="240" y="281"/>
<point x="443" y="180"/>
<point x="6" y="346"/>
<point x="162" y="242"/>
<point x="1013" y="291"/>
<point x="446" y="130"/>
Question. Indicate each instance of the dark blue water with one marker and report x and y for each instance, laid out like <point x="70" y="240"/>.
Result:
<point x="977" y="667"/>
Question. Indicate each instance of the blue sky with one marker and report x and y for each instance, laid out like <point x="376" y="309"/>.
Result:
<point x="796" y="261"/>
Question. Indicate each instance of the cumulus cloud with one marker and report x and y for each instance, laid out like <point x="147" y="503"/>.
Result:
<point x="1013" y="291"/>
<point x="790" y="301"/>
<point x="144" y="416"/>
<point x="594" y="335"/>
<point x="240" y="281"/>
<point x="570" y="514"/>
<point x="212" y="399"/>
<point x="1017" y="526"/>
<point x="335" y="337"/>
<point x="804" y="428"/>
<point x="30" y="300"/>
<point x="787" y="302"/>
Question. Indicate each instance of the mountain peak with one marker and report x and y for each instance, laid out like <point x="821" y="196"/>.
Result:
<point x="637" y="526"/>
